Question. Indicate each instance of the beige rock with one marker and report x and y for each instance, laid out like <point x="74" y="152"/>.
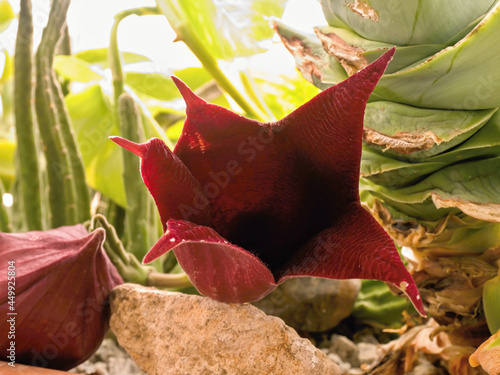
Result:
<point x="179" y="334"/>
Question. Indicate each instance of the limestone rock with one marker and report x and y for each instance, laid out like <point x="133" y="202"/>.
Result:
<point x="310" y="303"/>
<point x="174" y="333"/>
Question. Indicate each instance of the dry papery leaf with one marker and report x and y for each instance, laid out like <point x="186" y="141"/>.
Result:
<point x="487" y="212"/>
<point x="304" y="56"/>
<point x="488" y="355"/>
<point x="350" y="57"/>
<point x="402" y="142"/>
<point x="427" y="341"/>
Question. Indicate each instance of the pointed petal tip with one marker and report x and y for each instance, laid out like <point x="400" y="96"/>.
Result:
<point x="136" y="148"/>
<point x="161" y="247"/>
<point x="192" y="100"/>
<point x="386" y="58"/>
<point x="411" y="290"/>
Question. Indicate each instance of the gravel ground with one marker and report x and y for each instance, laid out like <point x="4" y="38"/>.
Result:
<point x="110" y="359"/>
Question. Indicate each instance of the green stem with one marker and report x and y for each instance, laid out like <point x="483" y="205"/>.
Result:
<point x="114" y="55"/>
<point x="127" y="264"/>
<point x="168" y="280"/>
<point x="26" y="148"/>
<point x="253" y="93"/>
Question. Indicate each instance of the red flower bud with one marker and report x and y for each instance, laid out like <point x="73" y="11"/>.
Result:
<point x="55" y="286"/>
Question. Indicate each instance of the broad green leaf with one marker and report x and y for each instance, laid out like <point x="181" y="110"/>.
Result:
<point x="75" y="69"/>
<point x="6" y="14"/>
<point x="283" y="94"/>
<point x="418" y="133"/>
<point x="406" y="22"/>
<point x="161" y="87"/>
<point x="174" y="131"/>
<point x="8" y="67"/>
<point x="93" y="121"/>
<point x="193" y="77"/>
<point x="226" y="28"/>
<point x="99" y="56"/>
<point x="155" y="85"/>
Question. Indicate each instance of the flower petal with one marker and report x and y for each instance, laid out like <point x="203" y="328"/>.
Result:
<point x="217" y="268"/>
<point x="176" y="192"/>
<point x="328" y="129"/>
<point x="355" y="247"/>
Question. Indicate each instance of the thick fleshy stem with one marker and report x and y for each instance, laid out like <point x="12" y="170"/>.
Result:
<point x="141" y="235"/>
<point x="64" y="163"/>
<point x="73" y="155"/>
<point x="26" y="147"/>
<point x="127" y="264"/>
<point x="60" y="189"/>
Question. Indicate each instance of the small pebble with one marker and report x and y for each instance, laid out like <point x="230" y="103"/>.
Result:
<point x="367" y="352"/>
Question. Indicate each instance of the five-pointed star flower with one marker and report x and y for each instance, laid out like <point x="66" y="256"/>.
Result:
<point x="247" y="205"/>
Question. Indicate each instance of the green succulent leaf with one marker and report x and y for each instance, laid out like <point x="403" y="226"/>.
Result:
<point x="393" y="173"/>
<point x="418" y="133"/>
<point x="439" y="81"/>
<point x="472" y="187"/>
<point x="405" y="23"/>
<point x="378" y="306"/>
<point x="335" y="38"/>
<point x="449" y="234"/>
<point x="483" y="144"/>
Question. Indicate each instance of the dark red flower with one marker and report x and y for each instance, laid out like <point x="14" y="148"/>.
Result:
<point x="55" y="286"/>
<point x="246" y="205"/>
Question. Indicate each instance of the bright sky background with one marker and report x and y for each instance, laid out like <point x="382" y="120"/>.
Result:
<point x="90" y="24"/>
